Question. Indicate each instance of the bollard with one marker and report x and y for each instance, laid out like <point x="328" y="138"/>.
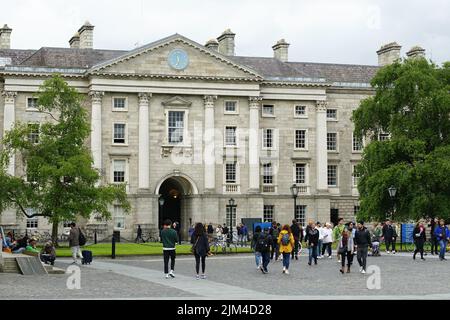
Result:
<point x="113" y="248"/>
<point x="95" y="236"/>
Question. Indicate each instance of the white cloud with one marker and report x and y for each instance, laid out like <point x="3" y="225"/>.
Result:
<point x="348" y="31"/>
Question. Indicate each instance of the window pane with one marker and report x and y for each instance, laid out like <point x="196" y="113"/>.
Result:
<point x="230" y="172"/>
<point x="267" y="173"/>
<point x="332" y="175"/>
<point x="119" y="133"/>
<point x="331" y="113"/>
<point x="268" y="109"/>
<point x="300" y="110"/>
<point x="32" y="103"/>
<point x="267" y="138"/>
<point x="33" y="135"/>
<point x="230" y="106"/>
<point x="300" y="139"/>
<point x="119" y="170"/>
<point x="357" y="143"/>
<point x="119" y="103"/>
<point x="300" y="214"/>
<point x="268" y="213"/>
<point x="230" y="136"/>
<point x="331" y="141"/>
<point x="300" y="176"/>
<point x="176" y="126"/>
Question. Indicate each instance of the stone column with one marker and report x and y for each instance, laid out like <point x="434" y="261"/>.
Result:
<point x="209" y="151"/>
<point x="144" y="141"/>
<point x="8" y="121"/>
<point x="96" y="128"/>
<point x="321" y="146"/>
<point x="253" y="144"/>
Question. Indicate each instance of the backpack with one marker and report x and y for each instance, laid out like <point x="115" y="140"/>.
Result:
<point x="285" y="239"/>
<point x="262" y="244"/>
<point x="275" y="232"/>
<point x="81" y="238"/>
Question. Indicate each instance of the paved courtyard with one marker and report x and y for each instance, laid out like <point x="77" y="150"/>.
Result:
<point x="236" y="277"/>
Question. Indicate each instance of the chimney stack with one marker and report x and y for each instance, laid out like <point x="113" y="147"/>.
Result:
<point x="280" y="50"/>
<point x="388" y="53"/>
<point x="5" y="37"/>
<point x="86" y="33"/>
<point x="416" y="52"/>
<point x="212" y="45"/>
<point x="75" y="41"/>
<point x="226" y="43"/>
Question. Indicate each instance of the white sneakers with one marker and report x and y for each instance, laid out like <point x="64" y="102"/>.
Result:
<point x="387" y="251"/>
<point x="330" y="257"/>
<point x="363" y="271"/>
<point x="171" y="274"/>
<point x="287" y="271"/>
<point x="360" y="269"/>
<point x="284" y="269"/>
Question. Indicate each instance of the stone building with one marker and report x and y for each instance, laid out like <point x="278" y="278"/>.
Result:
<point x="188" y="126"/>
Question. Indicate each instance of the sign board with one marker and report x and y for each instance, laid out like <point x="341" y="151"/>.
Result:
<point x="407" y="232"/>
<point x="262" y="225"/>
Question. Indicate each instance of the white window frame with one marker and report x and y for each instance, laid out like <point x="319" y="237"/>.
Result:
<point x="388" y="136"/>
<point x="337" y="142"/>
<point x="303" y="116"/>
<point x="294" y="174"/>
<point x="355" y="179"/>
<point x="127" y="171"/>
<point x="306" y="140"/>
<point x="126" y="134"/>
<point x="274" y="139"/>
<point x="353" y="144"/>
<point x="236" y="145"/>
<point x="332" y="119"/>
<point x="31" y="211"/>
<point x="301" y="220"/>
<point x="124" y="109"/>
<point x="186" y="139"/>
<point x="26" y="103"/>
<point x="236" y="111"/>
<point x="337" y="176"/>
<point x="115" y="217"/>
<point x="236" y="173"/>
<point x="38" y="133"/>
<point x="272" y="175"/>
<point x="268" y="115"/>
<point x="268" y="206"/>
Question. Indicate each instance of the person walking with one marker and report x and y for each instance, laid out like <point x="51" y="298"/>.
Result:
<point x="210" y="231"/>
<point x="327" y="240"/>
<point x="362" y="243"/>
<point x="346" y="248"/>
<point x="139" y="235"/>
<point x="297" y="233"/>
<point x="313" y="241"/>
<point x="263" y="244"/>
<point x="274" y="232"/>
<point x="433" y="239"/>
<point x="443" y="236"/>
<point x="244" y="232"/>
<point x="200" y="248"/>
<point x="389" y="236"/>
<point x="74" y="242"/>
<point x="286" y="244"/>
<point x="319" y="246"/>
<point x="419" y="238"/>
<point x="256" y="234"/>
<point x="337" y="232"/>
<point x="169" y="238"/>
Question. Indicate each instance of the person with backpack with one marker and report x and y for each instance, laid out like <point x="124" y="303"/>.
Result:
<point x="443" y="236"/>
<point x="274" y="233"/>
<point x="74" y="242"/>
<point x="419" y="238"/>
<point x="297" y="232"/>
<point x="254" y="244"/>
<point x="313" y="242"/>
<point x="362" y="243"/>
<point x="263" y="242"/>
<point x="169" y="238"/>
<point x="200" y="248"/>
<point x="286" y="243"/>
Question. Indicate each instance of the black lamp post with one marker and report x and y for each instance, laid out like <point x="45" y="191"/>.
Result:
<point x="392" y="192"/>
<point x="294" y="192"/>
<point x="232" y="206"/>
<point x="161" y="201"/>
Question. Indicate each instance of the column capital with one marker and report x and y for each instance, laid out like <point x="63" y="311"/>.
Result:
<point x="144" y="97"/>
<point x="254" y="102"/>
<point x="96" y="96"/>
<point x="209" y="100"/>
<point x="321" y="105"/>
<point x="10" y="96"/>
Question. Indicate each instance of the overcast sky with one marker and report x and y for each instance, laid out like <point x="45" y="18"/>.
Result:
<point x="319" y="31"/>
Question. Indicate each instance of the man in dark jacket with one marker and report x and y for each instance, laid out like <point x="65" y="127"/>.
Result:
<point x="274" y="231"/>
<point x="389" y="236"/>
<point x="433" y="239"/>
<point x="169" y="238"/>
<point x="362" y="242"/>
<point x="297" y="237"/>
<point x="263" y="245"/>
<point x="443" y="236"/>
<point x="74" y="242"/>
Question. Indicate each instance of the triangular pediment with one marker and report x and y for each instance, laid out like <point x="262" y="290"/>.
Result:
<point x="176" y="101"/>
<point x="152" y="60"/>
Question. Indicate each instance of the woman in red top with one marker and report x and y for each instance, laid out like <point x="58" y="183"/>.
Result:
<point x="419" y="239"/>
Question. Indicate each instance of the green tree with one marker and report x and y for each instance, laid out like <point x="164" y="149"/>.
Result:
<point x="59" y="181"/>
<point x="412" y="104"/>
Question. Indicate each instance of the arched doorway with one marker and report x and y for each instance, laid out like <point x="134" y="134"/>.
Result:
<point x="175" y="191"/>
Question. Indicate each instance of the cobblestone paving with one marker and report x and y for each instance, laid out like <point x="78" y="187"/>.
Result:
<point x="236" y="277"/>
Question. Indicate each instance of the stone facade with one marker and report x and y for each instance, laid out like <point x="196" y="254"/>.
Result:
<point x="151" y="88"/>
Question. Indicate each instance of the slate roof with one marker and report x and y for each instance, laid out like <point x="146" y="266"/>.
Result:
<point x="269" y="68"/>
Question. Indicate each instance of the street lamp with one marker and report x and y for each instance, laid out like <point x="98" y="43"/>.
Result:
<point x="392" y="192"/>
<point x="294" y="192"/>
<point x="161" y="204"/>
<point x="232" y="206"/>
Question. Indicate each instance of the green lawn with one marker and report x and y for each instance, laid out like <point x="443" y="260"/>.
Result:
<point x="131" y="249"/>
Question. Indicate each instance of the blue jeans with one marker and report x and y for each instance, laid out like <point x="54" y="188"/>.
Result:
<point x="312" y="254"/>
<point x="286" y="259"/>
<point x="319" y="248"/>
<point x="258" y="257"/>
<point x="443" y="246"/>
<point x="265" y="259"/>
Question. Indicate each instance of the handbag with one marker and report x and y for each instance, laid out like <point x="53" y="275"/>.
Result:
<point x="342" y="250"/>
<point x="194" y="245"/>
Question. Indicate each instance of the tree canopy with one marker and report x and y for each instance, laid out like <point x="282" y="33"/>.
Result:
<point x="59" y="181"/>
<point x="411" y="104"/>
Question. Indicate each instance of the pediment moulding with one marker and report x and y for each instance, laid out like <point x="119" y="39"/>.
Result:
<point x="176" y="101"/>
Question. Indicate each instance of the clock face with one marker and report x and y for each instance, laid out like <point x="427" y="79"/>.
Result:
<point x="178" y="59"/>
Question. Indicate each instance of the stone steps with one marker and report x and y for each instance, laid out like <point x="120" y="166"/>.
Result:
<point x="53" y="270"/>
<point x="10" y="265"/>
